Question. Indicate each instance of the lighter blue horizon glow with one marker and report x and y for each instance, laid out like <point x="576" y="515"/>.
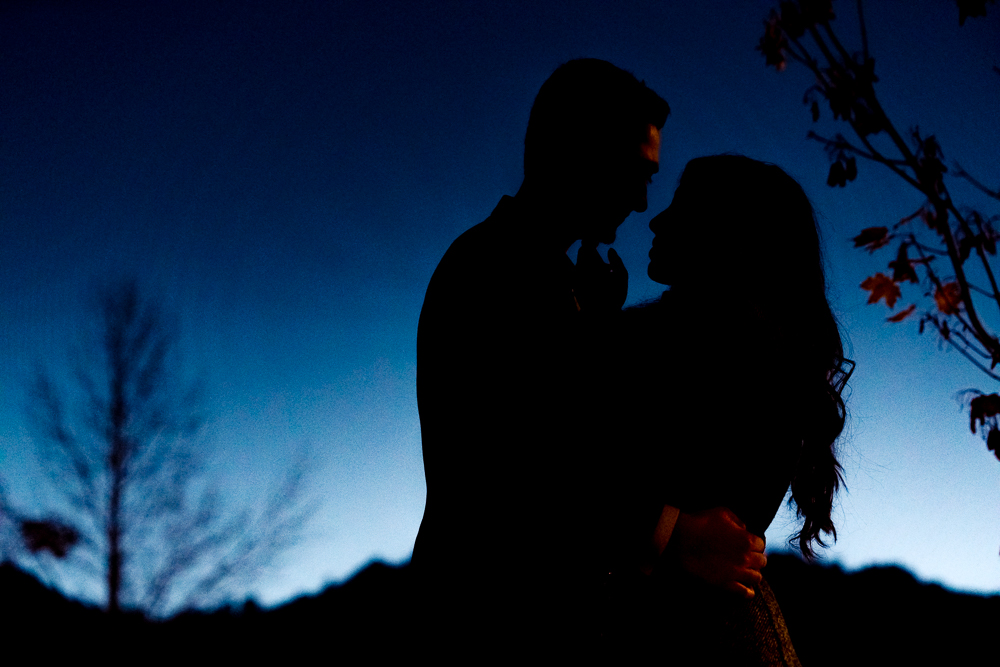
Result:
<point x="289" y="180"/>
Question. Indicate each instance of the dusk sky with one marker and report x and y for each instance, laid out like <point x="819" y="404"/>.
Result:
<point x="288" y="174"/>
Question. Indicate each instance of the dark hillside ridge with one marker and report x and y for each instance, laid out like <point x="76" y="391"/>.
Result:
<point x="881" y="615"/>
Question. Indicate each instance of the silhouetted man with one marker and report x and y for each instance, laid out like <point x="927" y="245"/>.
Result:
<point x="515" y="533"/>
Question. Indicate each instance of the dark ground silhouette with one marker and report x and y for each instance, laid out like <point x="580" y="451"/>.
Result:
<point x="880" y="615"/>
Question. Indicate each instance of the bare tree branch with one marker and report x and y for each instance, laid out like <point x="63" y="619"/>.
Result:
<point x="961" y="173"/>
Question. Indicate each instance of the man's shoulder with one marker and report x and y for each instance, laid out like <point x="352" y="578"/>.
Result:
<point x="485" y="239"/>
<point x="478" y="252"/>
<point x="500" y="264"/>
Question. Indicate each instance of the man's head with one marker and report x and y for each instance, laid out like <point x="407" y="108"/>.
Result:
<point x="593" y="139"/>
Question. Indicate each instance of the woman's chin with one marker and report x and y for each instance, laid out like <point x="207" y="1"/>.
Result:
<point x="657" y="274"/>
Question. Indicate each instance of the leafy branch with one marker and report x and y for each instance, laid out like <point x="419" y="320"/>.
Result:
<point x="802" y="32"/>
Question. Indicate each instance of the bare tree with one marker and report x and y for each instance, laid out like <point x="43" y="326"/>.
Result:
<point x="944" y="247"/>
<point x="124" y="447"/>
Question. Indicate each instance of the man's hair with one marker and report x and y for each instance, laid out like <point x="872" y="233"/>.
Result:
<point x="588" y="110"/>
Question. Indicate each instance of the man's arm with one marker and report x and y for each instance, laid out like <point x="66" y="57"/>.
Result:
<point x="713" y="545"/>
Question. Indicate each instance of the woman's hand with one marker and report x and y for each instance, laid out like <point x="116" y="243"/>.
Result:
<point x="714" y="545"/>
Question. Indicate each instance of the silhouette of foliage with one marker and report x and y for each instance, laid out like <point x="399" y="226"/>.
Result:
<point x="973" y="8"/>
<point x="802" y="31"/>
<point x="122" y="444"/>
<point x="902" y="267"/>
<point x="872" y="238"/>
<point x="50" y="535"/>
<point x="984" y="411"/>
<point x="982" y="408"/>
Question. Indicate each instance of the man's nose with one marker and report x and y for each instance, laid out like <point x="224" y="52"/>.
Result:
<point x="657" y="222"/>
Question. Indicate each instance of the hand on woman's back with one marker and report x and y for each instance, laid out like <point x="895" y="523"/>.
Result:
<point x="715" y="546"/>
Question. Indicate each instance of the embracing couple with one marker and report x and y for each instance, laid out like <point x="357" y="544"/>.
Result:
<point x="599" y="480"/>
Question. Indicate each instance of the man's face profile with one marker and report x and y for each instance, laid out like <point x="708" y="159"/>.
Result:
<point x="648" y="164"/>
<point x="624" y="189"/>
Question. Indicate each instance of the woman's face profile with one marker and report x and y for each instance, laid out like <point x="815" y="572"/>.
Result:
<point x="664" y="265"/>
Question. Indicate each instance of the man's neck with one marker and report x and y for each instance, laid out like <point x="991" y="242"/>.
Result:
<point x="557" y="230"/>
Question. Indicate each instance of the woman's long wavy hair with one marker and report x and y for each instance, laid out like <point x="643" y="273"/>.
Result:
<point x="761" y="255"/>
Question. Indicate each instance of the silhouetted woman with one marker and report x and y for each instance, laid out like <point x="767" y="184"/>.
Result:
<point x="740" y="367"/>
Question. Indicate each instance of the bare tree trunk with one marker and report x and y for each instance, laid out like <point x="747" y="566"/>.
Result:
<point x="121" y="446"/>
<point x="114" y="548"/>
<point x="116" y="466"/>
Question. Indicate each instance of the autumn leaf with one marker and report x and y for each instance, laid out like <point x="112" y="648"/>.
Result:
<point x="902" y="267"/>
<point x="873" y="238"/>
<point x="948" y="298"/>
<point x="902" y="315"/>
<point x="774" y="43"/>
<point x="881" y="286"/>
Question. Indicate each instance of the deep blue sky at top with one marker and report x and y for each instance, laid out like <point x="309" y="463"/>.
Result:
<point x="288" y="174"/>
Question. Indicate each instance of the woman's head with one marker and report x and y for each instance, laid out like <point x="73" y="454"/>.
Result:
<point x="740" y="249"/>
<point x="734" y="220"/>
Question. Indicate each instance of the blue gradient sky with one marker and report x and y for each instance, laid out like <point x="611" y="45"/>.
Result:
<point x="289" y="174"/>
